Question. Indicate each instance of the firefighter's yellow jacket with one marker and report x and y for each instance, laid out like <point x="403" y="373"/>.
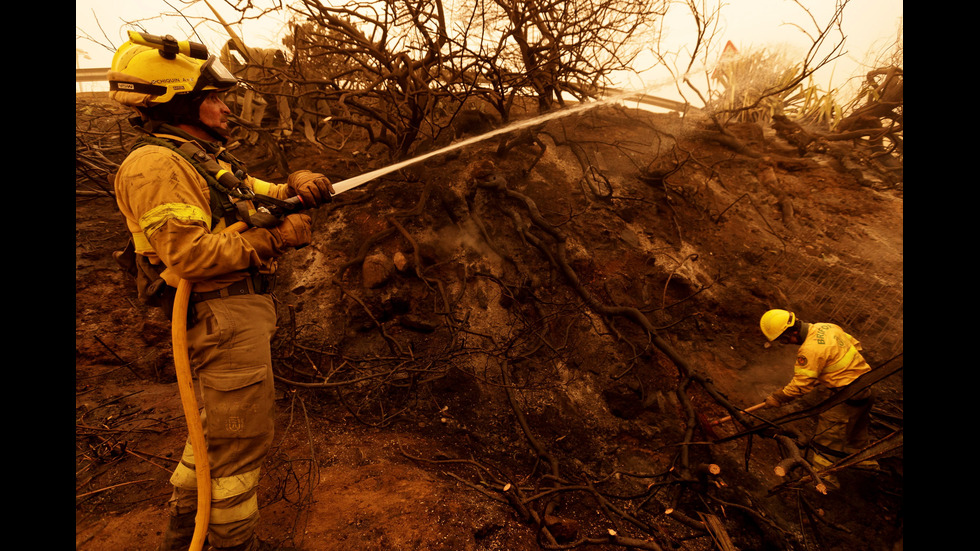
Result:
<point x="166" y="203"/>
<point x="829" y="357"/>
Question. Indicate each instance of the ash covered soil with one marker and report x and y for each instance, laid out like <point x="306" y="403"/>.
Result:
<point x="476" y="319"/>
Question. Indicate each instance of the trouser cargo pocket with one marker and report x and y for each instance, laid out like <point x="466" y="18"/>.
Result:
<point x="239" y="402"/>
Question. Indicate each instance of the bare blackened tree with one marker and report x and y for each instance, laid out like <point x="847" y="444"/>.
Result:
<point x="396" y="68"/>
<point x="556" y="50"/>
<point x="387" y="58"/>
<point x="601" y="43"/>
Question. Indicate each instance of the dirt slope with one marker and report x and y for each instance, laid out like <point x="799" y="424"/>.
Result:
<point x="622" y="209"/>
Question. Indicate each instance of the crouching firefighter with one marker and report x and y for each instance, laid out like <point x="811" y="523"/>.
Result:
<point x="828" y="357"/>
<point x="178" y="189"/>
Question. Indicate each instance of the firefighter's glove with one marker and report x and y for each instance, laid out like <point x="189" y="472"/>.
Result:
<point x="294" y="231"/>
<point x="777" y="399"/>
<point x="313" y="188"/>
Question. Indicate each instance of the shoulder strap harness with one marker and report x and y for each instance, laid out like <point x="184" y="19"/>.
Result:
<point x="222" y="183"/>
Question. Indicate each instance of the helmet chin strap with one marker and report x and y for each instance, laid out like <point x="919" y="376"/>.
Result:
<point x="214" y="132"/>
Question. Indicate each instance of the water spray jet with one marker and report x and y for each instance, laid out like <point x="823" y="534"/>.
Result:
<point x="351" y="183"/>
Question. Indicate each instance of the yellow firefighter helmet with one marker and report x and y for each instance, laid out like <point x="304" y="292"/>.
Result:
<point x="150" y="70"/>
<point x="774" y="322"/>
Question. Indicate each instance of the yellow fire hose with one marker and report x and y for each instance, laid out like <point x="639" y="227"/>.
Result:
<point x="188" y="400"/>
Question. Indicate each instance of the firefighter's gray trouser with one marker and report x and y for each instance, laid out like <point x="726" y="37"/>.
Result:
<point x="843" y="429"/>
<point x="228" y="342"/>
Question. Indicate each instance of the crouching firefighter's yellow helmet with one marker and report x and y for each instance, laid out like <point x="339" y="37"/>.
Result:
<point x="774" y="322"/>
<point x="151" y="70"/>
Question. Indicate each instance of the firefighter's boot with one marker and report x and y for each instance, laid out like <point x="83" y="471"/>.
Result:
<point x="179" y="533"/>
<point x="255" y="544"/>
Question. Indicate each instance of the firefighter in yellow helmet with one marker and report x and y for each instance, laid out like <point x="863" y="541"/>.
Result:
<point x="831" y="358"/>
<point x="177" y="189"/>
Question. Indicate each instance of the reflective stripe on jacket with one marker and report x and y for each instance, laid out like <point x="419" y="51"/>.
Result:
<point x="166" y="203"/>
<point x="829" y="357"/>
